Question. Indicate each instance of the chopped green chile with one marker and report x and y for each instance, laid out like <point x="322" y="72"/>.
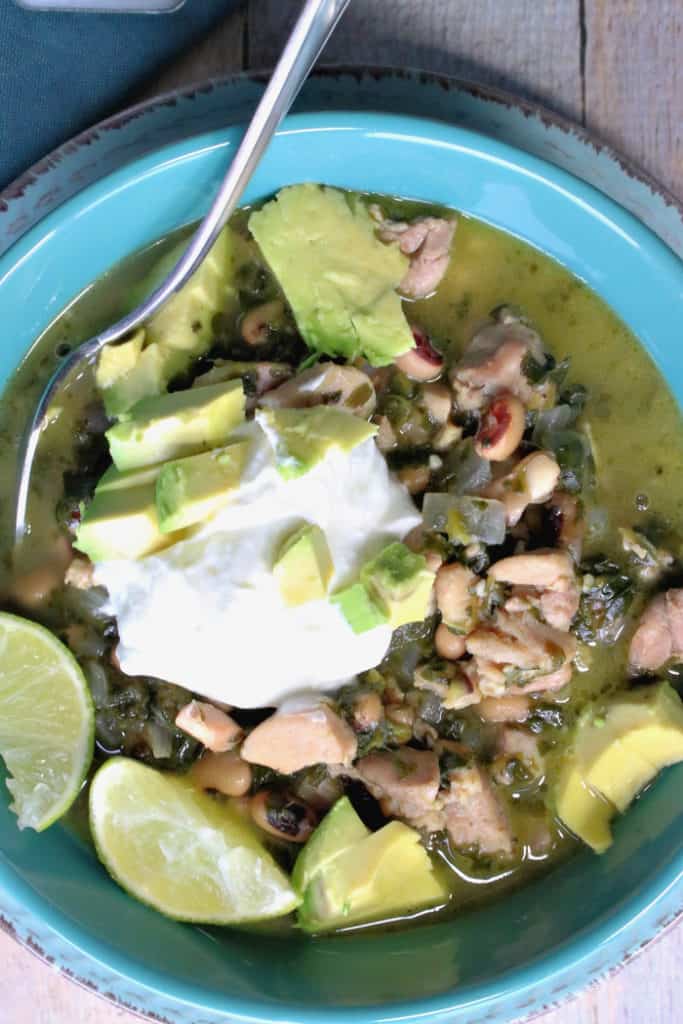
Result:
<point x="465" y="519"/>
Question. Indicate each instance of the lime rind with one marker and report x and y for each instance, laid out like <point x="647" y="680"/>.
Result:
<point x="189" y="856"/>
<point x="47" y="722"/>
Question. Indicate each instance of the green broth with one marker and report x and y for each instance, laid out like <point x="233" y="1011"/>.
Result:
<point x="634" y="423"/>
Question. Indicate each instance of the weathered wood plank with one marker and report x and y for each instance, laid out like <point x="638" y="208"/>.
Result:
<point x="634" y="82"/>
<point x="530" y="48"/>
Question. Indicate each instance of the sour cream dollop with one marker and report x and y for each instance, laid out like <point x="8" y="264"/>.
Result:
<point x="207" y="614"/>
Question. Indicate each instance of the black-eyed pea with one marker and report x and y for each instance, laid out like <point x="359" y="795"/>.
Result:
<point x="226" y="773"/>
<point x="281" y="816"/>
<point x="501" y="428"/>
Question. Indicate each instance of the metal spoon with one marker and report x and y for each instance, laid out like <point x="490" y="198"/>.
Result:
<point x="313" y="28"/>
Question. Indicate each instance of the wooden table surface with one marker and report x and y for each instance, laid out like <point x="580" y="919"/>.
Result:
<point x="612" y="65"/>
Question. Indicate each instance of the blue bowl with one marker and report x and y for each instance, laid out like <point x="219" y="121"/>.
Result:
<point x="500" y="961"/>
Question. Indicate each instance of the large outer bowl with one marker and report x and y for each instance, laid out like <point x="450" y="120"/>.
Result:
<point x="150" y="172"/>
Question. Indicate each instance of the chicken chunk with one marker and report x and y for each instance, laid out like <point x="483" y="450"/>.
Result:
<point x="493" y="362"/>
<point x="542" y="684"/>
<point x="547" y="569"/>
<point x="427" y="241"/>
<point x="659" y="636"/>
<point x="344" y="387"/>
<point x="512" y="650"/>
<point x="474" y="814"/>
<point x="211" y="726"/>
<point x="291" y="740"/>
<point x="405" y="781"/>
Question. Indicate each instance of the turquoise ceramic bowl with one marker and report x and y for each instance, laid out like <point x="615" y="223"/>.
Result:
<point x="491" y="964"/>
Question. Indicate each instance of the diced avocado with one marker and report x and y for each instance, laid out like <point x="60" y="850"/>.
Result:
<point x="582" y="811"/>
<point x="117" y="360"/>
<point x="340" y="828"/>
<point x="359" y="609"/>
<point x="400" y="583"/>
<point x="175" y="425"/>
<point x="380" y="877"/>
<point x="147" y="377"/>
<point x="121" y="520"/>
<point x="303" y="567"/>
<point x="177" y="334"/>
<point x="184" y="323"/>
<point x="192" y="489"/>
<point x="339" y="279"/>
<point x="303" y="437"/>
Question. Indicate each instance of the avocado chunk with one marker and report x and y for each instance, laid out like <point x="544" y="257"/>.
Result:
<point x="340" y="828"/>
<point x="338" y="278"/>
<point x="175" y="425"/>
<point x="179" y="332"/>
<point x="121" y="520"/>
<point x="192" y="489"/>
<point x="618" y="749"/>
<point x="400" y="583"/>
<point x="302" y="438"/>
<point x="381" y="876"/>
<point x="303" y="567"/>
<point x="359" y="609"/>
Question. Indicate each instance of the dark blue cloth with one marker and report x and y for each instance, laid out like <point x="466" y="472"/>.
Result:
<point x="59" y="73"/>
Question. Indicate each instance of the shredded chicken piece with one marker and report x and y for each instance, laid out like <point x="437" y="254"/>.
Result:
<point x="208" y="724"/>
<point x="494" y="362"/>
<point x="659" y="636"/>
<point x="474" y="814"/>
<point x="289" y="741"/>
<point x="427" y="241"/>
<point x="405" y="781"/>
<point x="513" y="649"/>
<point x="543" y="579"/>
<point x="80" y="573"/>
<point x="326" y="384"/>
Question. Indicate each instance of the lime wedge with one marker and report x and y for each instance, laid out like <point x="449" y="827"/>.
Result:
<point x="46" y="722"/>
<point x="188" y="855"/>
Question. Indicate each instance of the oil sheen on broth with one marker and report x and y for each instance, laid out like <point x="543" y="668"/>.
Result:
<point x="633" y="421"/>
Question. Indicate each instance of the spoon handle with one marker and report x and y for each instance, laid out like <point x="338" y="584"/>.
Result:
<point x="313" y="28"/>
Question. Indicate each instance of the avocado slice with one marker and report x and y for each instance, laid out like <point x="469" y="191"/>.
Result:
<point x="175" y="425"/>
<point x="340" y="828"/>
<point x="177" y="334"/>
<point x="192" y="489"/>
<point x="618" y="749"/>
<point x="585" y="813"/>
<point x="303" y="567"/>
<point x="121" y="520"/>
<point x="302" y="438"/>
<point x="339" y="279"/>
<point x="400" y="583"/>
<point x="359" y="609"/>
<point x="382" y="876"/>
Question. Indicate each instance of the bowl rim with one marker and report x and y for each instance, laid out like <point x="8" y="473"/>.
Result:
<point x="542" y="968"/>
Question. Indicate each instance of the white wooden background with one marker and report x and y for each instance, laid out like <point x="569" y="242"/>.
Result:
<point x="615" y="66"/>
